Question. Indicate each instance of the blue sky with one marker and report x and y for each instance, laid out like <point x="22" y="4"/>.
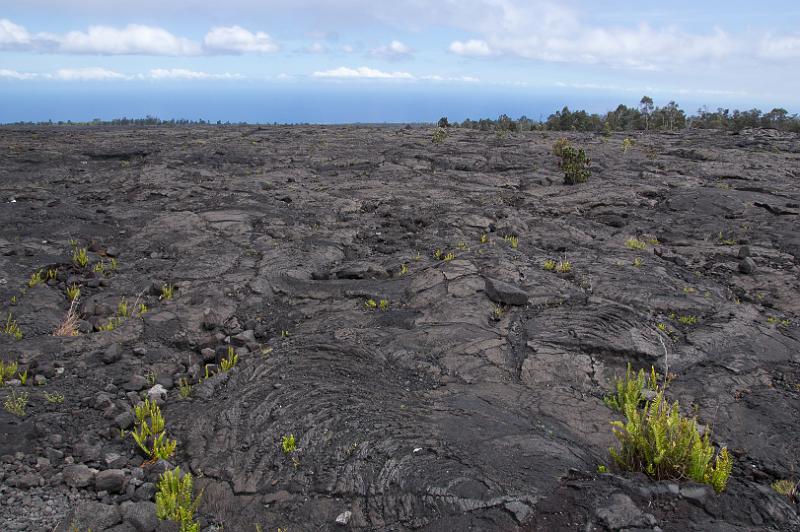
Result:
<point x="734" y="53"/>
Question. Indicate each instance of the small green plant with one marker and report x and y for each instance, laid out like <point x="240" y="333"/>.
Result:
<point x="149" y="432"/>
<point x="437" y="254"/>
<point x="7" y="371"/>
<point x="141" y="309"/>
<point x="512" y="241"/>
<point x="151" y="378"/>
<point x="635" y="244"/>
<point x="628" y="389"/>
<point x="602" y="469"/>
<point x="113" y="264"/>
<point x="13" y="300"/>
<point x="637" y="262"/>
<point x="383" y="304"/>
<point x="99" y="267"/>
<point x="54" y="398"/>
<point x="787" y="488"/>
<point x="167" y="291"/>
<point x="112" y="323"/>
<point x="498" y="312"/>
<point x="230" y="361"/>
<point x="450" y="256"/>
<point x="564" y="266"/>
<point x="725" y="241"/>
<point x="549" y="265"/>
<point x="288" y="444"/>
<point x="80" y="258"/>
<point x="16" y="403"/>
<point x="418" y="256"/>
<point x="11" y="328"/>
<point x="484" y="238"/>
<point x="439" y="135"/>
<point x="175" y="500"/>
<point x="371" y="304"/>
<point x="122" y="309"/>
<point x="23" y="377"/>
<point x="462" y="246"/>
<point x="36" y="278"/>
<point x="687" y="320"/>
<point x="184" y="388"/>
<point x="403" y="269"/>
<point x="627" y="144"/>
<point x="73" y="292"/>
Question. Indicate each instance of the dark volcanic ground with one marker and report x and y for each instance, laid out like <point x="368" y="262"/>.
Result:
<point x="444" y="412"/>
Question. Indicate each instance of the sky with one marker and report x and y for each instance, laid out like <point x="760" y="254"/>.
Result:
<point x="398" y="60"/>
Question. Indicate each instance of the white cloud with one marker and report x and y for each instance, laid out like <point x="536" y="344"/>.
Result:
<point x="87" y="74"/>
<point x="772" y="47"/>
<point x="133" y="39"/>
<point x="361" y="72"/>
<point x="185" y="74"/>
<point x="315" y="48"/>
<point x="235" y="39"/>
<point x="13" y="36"/>
<point x="13" y="74"/>
<point x="462" y="79"/>
<point x="394" y="50"/>
<point x="348" y="48"/>
<point x="473" y="47"/>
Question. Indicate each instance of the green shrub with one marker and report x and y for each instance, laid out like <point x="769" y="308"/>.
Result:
<point x="658" y="441"/>
<point x="439" y="134"/>
<point x="574" y="164"/>
<point x="175" y="501"/>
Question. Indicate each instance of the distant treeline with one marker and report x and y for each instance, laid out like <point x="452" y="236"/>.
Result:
<point x="644" y="117"/>
<point x="146" y="121"/>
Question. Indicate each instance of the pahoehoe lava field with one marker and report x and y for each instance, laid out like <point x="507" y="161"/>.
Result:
<point x="434" y="374"/>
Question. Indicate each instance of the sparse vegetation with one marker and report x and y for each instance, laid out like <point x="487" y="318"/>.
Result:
<point x="564" y="266"/>
<point x="635" y="244"/>
<point x="54" y="398"/>
<point x="73" y="292"/>
<point x="687" y="320"/>
<point x="657" y="440"/>
<point x="627" y="144"/>
<point x="787" y="488"/>
<point x="512" y="241"/>
<point x="16" y="403"/>
<point x="184" y="388"/>
<point x="80" y="257"/>
<point x="229" y="362"/>
<point x="150" y="433"/>
<point x="549" y="265"/>
<point x="7" y="371"/>
<point x="288" y="444"/>
<point x="637" y="262"/>
<point x="175" y="500"/>
<point x="36" y="279"/>
<point x="167" y="291"/>
<point x="11" y="328"/>
<point x="69" y="327"/>
<point x="450" y="256"/>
